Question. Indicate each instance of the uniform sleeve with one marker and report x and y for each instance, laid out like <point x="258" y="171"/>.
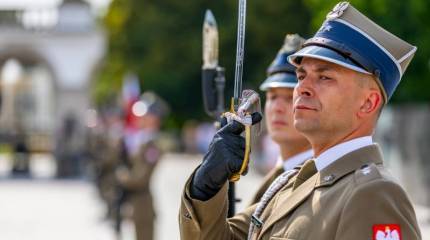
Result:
<point x="374" y="205"/>
<point x="207" y="220"/>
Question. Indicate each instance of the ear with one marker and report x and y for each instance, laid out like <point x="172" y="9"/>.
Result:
<point x="371" y="103"/>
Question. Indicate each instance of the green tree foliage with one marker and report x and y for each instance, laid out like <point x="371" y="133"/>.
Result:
<point x="407" y="19"/>
<point x="161" y="42"/>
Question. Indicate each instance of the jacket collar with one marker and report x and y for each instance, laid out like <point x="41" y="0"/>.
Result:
<point x="336" y="152"/>
<point x="349" y="163"/>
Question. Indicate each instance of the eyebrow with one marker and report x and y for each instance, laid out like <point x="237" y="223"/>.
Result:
<point x="318" y="69"/>
<point x="300" y="70"/>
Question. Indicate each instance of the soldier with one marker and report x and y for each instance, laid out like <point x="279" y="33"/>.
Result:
<point x="21" y="155"/>
<point x="144" y="152"/>
<point x="106" y="148"/>
<point x="279" y="86"/>
<point x="68" y="152"/>
<point x="346" y="73"/>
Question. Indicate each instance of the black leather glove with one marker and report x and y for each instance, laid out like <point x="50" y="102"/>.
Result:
<point x="223" y="159"/>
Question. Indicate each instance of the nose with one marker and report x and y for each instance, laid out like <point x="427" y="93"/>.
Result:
<point x="304" y="87"/>
<point x="279" y="105"/>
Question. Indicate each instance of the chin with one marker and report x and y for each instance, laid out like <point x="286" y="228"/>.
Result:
<point x="303" y="125"/>
<point x="277" y="137"/>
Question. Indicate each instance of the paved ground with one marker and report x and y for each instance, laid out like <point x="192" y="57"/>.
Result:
<point x="44" y="209"/>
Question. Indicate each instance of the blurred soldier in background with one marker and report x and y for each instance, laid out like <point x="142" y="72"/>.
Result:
<point x="21" y="155"/>
<point x="69" y="149"/>
<point x="105" y="148"/>
<point x="278" y="111"/>
<point x="144" y="150"/>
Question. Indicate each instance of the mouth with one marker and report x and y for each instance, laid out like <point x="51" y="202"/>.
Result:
<point x="303" y="107"/>
<point x="278" y="123"/>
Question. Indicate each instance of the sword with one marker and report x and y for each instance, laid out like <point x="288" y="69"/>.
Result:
<point x="240" y="51"/>
<point x="241" y="105"/>
<point x="213" y="83"/>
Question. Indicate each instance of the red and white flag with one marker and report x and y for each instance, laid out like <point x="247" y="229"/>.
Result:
<point x="130" y="95"/>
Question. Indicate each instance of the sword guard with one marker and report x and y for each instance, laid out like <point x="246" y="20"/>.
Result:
<point x="248" y="103"/>
<point x="235" y="177"/>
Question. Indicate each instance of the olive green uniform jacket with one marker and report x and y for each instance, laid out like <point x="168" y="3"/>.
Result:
<point x="342" y="202"/>
<point x="138" y="186"/>
<point x="105" y="152"/>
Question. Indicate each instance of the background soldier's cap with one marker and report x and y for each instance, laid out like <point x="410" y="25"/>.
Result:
<point x="281" y="73"/>
<point x="350" y="39"/>
<point x="154" y="104"/>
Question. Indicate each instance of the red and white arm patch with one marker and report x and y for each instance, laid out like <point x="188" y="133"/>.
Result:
<point x="387" y="232"/>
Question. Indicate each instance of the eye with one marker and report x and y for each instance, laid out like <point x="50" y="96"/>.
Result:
<point x="272" y="96"/>
<point x="323" y="77"/>
<point x="300" y="77"/>
<point x="288" y="98"/>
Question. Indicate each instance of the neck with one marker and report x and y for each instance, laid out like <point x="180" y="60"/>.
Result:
<point x="319" y="145"/>
<point x="289" y="149"/>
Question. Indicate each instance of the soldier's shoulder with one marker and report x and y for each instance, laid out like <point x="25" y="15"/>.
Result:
<point x="371" y="174"/>
<point x="375" y="182"/>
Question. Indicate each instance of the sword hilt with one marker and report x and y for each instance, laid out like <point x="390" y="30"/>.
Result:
<point x="233" y="109"/>
<point x="235" y="177"/>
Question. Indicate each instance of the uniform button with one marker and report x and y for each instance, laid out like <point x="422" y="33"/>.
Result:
<point x="328" y="178"/>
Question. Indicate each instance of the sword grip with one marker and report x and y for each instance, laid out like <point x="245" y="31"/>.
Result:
<point x="235" y="177"/>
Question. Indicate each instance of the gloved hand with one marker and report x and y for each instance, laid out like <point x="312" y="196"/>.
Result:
<point x="223" y="159"/>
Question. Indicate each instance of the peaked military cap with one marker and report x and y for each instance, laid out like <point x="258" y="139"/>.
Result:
<point x="154" y="104"/>
<point x="281" y="73"/>
<point x="350" y="39"/>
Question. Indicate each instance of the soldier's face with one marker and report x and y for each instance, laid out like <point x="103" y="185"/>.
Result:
<point x="326" y="100"/>
<point x="150" y="122"/>
<point x="279" y="115"/>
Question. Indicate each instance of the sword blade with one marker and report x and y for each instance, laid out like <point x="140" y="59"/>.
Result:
<point x="210" y="41"/>
<point x="239" y="52"/>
